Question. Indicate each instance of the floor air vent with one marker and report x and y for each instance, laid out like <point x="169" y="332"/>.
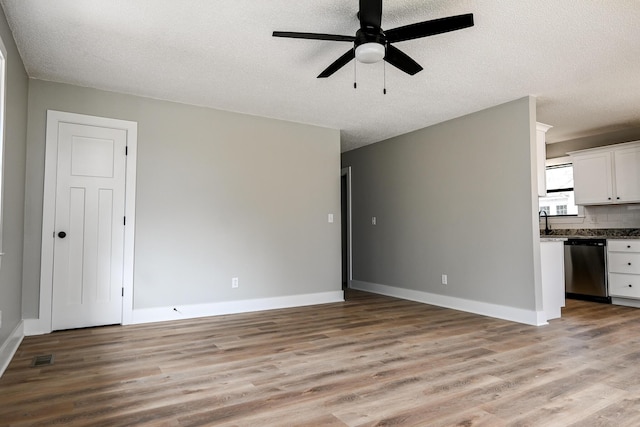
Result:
<point x="45" y="360"/>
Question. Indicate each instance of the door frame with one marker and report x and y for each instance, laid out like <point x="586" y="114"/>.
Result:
<point x="54" y="118"/>
<point x="347" y="172"/>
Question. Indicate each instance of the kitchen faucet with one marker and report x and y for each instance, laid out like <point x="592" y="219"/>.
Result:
<point x="546" y="220"/>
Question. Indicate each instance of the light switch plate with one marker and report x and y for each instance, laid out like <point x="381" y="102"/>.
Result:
<point x="330" y="217"/>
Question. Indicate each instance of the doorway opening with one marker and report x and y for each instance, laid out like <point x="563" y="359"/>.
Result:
<point x="345" y="204"/>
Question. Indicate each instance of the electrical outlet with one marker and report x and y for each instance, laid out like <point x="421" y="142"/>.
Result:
<point x="234" y="282"/>
<point x="373" y="220"/>
<point x="444" y="279"/>
<point x="330" y="218"/>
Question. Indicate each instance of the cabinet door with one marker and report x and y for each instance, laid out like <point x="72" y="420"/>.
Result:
<point x="628" y="263"/>
<point x="627" y="174"/>
<point x="541" y="151"/>
<point x="626" y="245"/>
<point x="624" y="285"/>
<point x="592" y="179"/>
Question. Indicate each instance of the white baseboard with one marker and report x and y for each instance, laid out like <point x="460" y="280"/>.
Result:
<point x="10" y="346"/>
<point x="36" y="327"/>
<point x="161" y="314"/>
<point x="626" y="302"/>
<point x="529" y="317"/>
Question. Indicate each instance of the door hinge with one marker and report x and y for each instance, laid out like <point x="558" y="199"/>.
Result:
<point x="124" y="221"/>
<point x="126" y="150"/>
<point x="122" y="291"/>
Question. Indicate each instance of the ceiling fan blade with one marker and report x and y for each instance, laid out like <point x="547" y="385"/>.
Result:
<point x="339" y="63"/>
<point x="401" y="60"/>
<point x="314" y="36"/>
<point x="370" y="13"/>
<point x="429" y="28"/>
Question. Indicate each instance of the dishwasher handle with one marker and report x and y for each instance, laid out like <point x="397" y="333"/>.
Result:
<point x="586" y="242"/>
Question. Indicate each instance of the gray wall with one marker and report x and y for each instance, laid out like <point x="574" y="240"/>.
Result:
<point x="455" y="198"/>
<point x="219" y="195"/>
<point x="13" y="179"/>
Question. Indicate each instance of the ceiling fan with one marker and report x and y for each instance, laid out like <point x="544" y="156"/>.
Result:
<point x="372" y="44"/>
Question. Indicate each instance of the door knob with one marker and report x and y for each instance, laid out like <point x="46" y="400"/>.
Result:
<point x="62" y="234"/>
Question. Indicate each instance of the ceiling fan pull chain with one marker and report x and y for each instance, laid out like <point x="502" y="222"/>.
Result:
<point x="384" y="77"/>
<point x="355" y="85"/>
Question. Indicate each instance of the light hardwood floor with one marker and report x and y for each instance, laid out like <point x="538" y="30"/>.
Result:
<point x="372" y="360"/>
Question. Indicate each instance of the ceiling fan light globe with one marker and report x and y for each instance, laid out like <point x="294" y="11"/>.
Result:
<point x="370" y="53"/>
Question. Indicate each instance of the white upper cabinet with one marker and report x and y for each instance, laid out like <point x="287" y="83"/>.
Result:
<point x="541" y="155"/>
<point x="627" y="168"/>
<point x="592" y="178"/>
<point x="607" y="175"/>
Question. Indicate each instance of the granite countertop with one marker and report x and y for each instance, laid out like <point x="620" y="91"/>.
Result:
<point x="591" y="233"/>
<point x="552" y="239"/>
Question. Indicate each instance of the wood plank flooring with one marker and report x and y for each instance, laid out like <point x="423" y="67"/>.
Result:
<point x="370" y="361"/>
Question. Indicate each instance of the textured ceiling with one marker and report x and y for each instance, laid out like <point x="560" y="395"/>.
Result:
<point x="581" y="58"/>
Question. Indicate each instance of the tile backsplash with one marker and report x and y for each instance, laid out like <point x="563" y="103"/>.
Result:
<point x="613" y="216"/>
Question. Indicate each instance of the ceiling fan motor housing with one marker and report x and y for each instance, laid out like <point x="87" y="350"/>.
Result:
<point x="370" y="45"/>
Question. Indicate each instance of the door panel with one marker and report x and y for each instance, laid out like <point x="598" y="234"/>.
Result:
<point x="90" y="192"/>
<point x="73" y="244"/>
<point x="91" y="157"/>
<point x="105" y="221"/>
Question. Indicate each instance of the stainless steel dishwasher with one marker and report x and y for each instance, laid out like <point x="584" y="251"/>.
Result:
<point x="585" y="269"/>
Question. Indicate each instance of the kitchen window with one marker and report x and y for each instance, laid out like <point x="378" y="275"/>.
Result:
<point x="559" y="200"/>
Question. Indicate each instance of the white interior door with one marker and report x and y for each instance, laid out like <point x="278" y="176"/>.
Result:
<point x="88" y="253"/>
